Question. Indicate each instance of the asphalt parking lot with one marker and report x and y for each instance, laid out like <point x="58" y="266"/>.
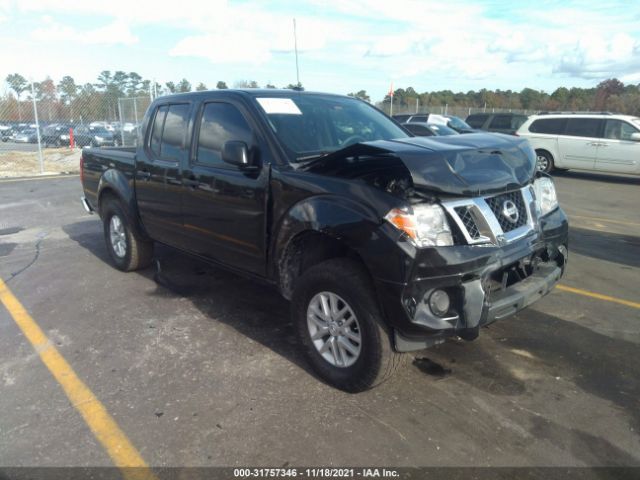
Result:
<point x="199" y="367"/>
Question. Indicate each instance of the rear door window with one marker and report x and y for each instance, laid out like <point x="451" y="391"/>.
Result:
<point x="156" y="132"/>
<point x="502" y="122"/>
<point x="583" y="127"/>
<point x="174" y="133"/>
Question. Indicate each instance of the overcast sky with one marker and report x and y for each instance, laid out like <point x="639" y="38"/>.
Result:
<point x="344" y="45"/>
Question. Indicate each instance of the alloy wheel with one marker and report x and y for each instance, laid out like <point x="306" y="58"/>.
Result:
<point x="334" y="329"/>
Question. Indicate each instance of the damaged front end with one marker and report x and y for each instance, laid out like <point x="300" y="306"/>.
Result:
<point x="480" y="233"/>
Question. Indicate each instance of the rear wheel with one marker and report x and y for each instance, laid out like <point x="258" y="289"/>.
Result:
<point x="127" y="251"/>
<point x="341" y="328"/>
<point x="544" y="161"/>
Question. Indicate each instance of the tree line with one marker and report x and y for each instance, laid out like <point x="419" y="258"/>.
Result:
<point x="609" y="95"/>
<point x="68" y="100"/>
<point x="71" y="101"/>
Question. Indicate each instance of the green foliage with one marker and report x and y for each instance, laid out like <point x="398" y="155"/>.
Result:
<point x="609" y="95"/>
<point x="361" y="94"/>
<point x="221" y="85"/>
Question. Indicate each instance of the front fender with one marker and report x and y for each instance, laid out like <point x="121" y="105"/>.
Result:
<point x="356" y="225"/>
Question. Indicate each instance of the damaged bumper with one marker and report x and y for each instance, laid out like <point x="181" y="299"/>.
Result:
<point x="483" y="284"/>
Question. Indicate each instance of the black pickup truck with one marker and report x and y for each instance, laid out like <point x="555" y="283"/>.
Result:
<point x="384" y="242"/>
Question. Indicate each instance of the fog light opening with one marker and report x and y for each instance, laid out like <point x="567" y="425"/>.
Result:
<point x="439" y="302"/>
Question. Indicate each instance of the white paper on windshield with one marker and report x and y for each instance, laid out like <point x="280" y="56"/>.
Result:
<point x="284" y="106"/>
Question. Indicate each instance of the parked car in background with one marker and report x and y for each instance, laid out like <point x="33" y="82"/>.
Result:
<point x="27" y="135"/>
<point x="53" y="134"/>
<point x="453" y="122"/>
<point x="497" y="122"/>
<point x="601" y="142"/>
<point x="6" y="131"/>
<point x="422" y="129"/>
<point x="94" y="137"/>
<point x="450" y="121"/>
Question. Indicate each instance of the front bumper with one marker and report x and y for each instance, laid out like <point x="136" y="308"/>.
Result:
<point x="484" y="283"/>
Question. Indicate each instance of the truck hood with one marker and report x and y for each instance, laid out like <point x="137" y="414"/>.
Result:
<point x="471" y="165"/>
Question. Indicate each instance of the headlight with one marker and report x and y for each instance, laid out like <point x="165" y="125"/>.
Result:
<point x="546" y="198"/>
<point x="426" y="225"/>
<point x="64" y="137"/>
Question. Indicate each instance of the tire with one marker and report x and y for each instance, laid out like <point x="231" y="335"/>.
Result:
<point x="376" y="361"/>
<point x="127" y="251"/>
<point x="544" y="161"/>
<point x="58" y="143"/>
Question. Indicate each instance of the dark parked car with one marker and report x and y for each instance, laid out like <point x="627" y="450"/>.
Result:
<point x="507" y="123"/>
<point x="384" y="242"/>
<point x="56" y="134"/>
<point x="421" y="129"/>
<point x="94" y="137"/>
<point x="6" y="132"/>
<point x="26" y="135"/>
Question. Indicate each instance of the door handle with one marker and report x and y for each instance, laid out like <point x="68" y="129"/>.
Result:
<point x="144" y="175"/>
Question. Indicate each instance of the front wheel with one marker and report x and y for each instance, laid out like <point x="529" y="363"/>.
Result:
<point x="340" y="326"/>
<point x="127" y="251"/>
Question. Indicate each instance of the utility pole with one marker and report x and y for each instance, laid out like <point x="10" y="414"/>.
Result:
<point x="295" y="46"/>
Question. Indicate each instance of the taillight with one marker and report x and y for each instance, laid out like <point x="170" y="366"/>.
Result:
<point x="81" y="169"/>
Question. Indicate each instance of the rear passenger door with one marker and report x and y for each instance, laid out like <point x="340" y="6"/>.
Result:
<point x="158" y="181"/>
<point x="224" y="205"/>
<point x="617" y="152"/>
<point x="578" y="146"/>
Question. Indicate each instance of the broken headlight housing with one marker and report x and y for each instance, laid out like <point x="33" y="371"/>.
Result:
<point x="425" y="225"/>
<point x="546" y="198"/>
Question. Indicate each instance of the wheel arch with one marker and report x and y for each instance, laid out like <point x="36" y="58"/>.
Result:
<point x="319" y="229"/>
<point x="113" y="184"/>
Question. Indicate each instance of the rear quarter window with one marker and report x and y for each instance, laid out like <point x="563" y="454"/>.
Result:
<point x="476" y="121"/>
<point x="552" y="126"/>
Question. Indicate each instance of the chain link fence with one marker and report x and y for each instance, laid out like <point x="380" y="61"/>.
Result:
<point x="45" y="135"/>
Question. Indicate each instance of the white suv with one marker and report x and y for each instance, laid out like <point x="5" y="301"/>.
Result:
<point x="601" y="142"/>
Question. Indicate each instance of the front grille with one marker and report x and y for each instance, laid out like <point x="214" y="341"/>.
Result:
<point x="497" y="205"/>
<point x="469" y="222"/>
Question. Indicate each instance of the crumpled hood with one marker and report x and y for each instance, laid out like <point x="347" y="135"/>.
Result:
<point x="470" y="165"/>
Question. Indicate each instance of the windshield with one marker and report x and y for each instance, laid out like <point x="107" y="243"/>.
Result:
<point x="309" y="125"/>
<point x="100" y="131"/>
<point x="455" y="122"/>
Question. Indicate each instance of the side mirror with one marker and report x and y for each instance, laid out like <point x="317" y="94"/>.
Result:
<point x="236" y="153"/>
<point x="635" y="137"/>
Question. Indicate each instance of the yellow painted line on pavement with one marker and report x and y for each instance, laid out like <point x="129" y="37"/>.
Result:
<point x="598" y="296"/>
<point x="46" y="177"/>
<point x="123" y="454"/>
